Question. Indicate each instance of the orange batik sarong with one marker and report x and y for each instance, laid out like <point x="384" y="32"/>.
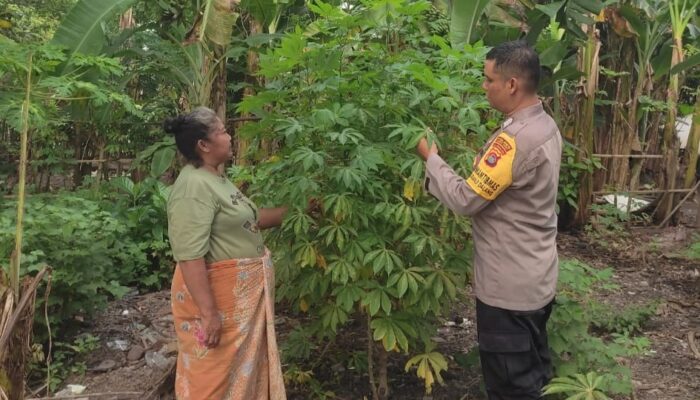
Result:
<point x="246" y="364"/>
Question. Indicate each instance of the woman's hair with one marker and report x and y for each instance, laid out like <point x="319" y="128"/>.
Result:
<point x="189" y="129"/>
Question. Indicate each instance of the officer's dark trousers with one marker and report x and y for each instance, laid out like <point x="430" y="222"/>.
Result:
<point x="514" y="353"/>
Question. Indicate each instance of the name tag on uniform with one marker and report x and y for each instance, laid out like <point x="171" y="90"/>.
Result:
<point x="506" y="123"/>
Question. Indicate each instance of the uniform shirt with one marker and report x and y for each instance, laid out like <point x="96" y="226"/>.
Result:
<point x="511" y="195"/>
<point x="209" y="217"/>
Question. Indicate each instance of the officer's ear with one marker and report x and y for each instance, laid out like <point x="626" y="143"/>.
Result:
<point x="512" y="85"/>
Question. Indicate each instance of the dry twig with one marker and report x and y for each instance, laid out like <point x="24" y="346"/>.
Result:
<point x="693" y="344"/>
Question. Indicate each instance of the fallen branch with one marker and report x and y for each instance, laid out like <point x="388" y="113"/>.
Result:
<point x="88" y="395"/>
<point x="693" y="344"/>
<point x="683" y="303"/>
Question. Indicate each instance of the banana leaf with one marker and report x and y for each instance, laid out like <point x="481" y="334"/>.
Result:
<point x="464" y="18"/>
<point x="81" y="30"/>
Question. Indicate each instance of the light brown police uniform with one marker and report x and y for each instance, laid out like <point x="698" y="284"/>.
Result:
<point x="511" y="196"/>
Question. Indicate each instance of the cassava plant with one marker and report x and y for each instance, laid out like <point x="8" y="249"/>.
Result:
<point x="348" y="98"/>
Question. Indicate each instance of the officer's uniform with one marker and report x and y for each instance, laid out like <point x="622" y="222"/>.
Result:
<point x="511" y="196"/>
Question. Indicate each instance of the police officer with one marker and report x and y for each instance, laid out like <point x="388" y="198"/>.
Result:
<point x="511" y="196"/>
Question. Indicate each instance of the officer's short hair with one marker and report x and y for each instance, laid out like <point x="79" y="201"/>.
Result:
<point x="517" y="59"/>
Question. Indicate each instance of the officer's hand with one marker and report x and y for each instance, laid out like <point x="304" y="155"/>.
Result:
<point x="424" y="151"/>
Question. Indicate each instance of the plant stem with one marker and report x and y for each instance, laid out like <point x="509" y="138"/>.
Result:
<point x="370" y="361"/>
<point x="17" y="253"/>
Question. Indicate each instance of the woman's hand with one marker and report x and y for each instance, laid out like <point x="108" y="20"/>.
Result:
<point x="271" y="217"/>
<point x="194" y="273"/>
<point x="211" y="330"/>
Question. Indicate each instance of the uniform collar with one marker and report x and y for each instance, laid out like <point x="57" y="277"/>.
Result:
<point x="524" y="113"/>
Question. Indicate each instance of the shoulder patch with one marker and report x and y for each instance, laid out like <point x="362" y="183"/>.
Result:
<point x="494" y="171"/>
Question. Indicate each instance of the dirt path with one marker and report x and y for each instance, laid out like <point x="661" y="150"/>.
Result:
<point x="647" y="268"/>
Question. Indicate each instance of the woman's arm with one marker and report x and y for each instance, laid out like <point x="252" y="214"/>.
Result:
<point x="271" y="217"/>
<point x="194" y="272"/>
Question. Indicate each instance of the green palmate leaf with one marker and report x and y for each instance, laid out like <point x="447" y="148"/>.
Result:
<point x="332" y="316"/>
<point x="298" y="221"/>
<point x="310" y="159"/>
<point x="346" y="136"/>
<point x="373" y="301"/>
<point x="81" y="30"/>
<point x="305" y="255"/>
<point x="342" y="271"/>
<point x="347" y="295"/>
<point x="289" y="127"/>
<point x="391" y="333"/>
<point x="339" y="205"/>
<point x="578" y="386"/>
<point x="367" y="159"/>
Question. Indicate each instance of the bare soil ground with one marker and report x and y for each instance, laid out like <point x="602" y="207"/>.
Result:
<point x="649" y="265"/>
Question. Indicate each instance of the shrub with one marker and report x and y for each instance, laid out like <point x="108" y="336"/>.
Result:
<point x="88" y="249"/>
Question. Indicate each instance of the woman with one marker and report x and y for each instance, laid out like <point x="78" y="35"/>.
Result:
<point x="223" y="288"/>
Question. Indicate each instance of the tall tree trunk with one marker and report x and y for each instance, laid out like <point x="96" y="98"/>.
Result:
<point x="670" y="145"/>
<point x="624" y="126"/>
<point x="643" y="86"/>
<point x="588" y="64"/>
<point x="691" y="149"/>
<point x="253" y="64"/>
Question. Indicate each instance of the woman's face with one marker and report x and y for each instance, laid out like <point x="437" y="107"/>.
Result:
<point x="219" y="143"/>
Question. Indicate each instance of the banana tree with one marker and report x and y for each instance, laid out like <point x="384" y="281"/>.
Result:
<point x="82" y="33"/>
<point x="649" y="27"/>
<point x="585" y="126"/>
<point x="681" y="12"/>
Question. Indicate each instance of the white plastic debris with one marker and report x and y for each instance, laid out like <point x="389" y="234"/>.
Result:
<point x="76" y="389"/>
<point x="623" y="201"/>
<point x="157" y="360"/>
<point x="118" y="344"/>
<point x="683" y="125"/>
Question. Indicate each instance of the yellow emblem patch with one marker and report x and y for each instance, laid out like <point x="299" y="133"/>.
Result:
<point x="493" y="173"/>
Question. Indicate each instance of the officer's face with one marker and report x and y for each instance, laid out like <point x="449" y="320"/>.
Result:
<point x="498" y="88"/>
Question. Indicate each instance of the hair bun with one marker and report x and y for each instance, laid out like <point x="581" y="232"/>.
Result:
<point x="172" y="125"/>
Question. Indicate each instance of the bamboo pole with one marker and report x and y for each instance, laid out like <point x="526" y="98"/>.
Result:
<point x="628" y="156"/>
<point x="648" y="191"/>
